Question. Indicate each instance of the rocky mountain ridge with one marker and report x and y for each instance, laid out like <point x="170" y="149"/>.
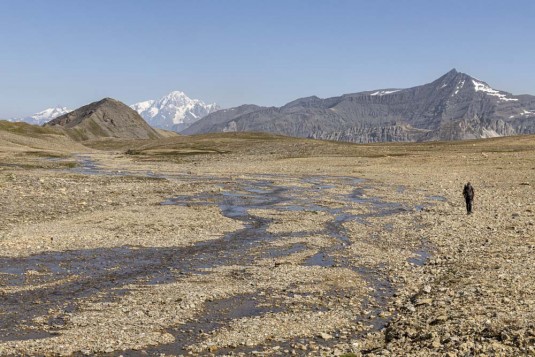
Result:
<point x="175" y="111"/>
<point x="456" y="106"/>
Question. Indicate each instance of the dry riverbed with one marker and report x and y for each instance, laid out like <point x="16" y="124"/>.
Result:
<point x="270" y="255"/>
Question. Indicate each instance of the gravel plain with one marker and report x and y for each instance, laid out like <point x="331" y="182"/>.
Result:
<point x="270" y="254"/>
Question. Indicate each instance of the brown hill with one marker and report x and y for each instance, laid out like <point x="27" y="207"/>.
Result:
<point x="107" y="118"/>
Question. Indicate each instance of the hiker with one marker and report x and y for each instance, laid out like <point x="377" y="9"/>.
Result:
<point x="468" y="193"/>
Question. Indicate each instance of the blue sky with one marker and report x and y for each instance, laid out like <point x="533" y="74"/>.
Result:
<point x="249" y="51"/>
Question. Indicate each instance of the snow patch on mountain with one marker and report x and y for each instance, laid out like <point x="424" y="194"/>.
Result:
<point x="458" y="87"/>
<point x="175" y="111"/>
<point x="524" y="113"/>
<point x="385" y="92"/>
<point x="483" y="87"/>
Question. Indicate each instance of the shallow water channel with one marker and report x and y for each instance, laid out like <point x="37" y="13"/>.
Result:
<point x="108" y="270"/>
<point x="243" y="247"/>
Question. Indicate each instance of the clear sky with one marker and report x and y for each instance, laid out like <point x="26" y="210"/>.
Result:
<point x="232" y="52"/>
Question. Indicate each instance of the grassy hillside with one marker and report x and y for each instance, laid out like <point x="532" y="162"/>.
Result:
<point x="22" y="142"/>
<point x="25" y="129"/>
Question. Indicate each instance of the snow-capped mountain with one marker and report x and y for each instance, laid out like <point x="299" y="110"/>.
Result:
<point x="43" y="116"/>
<point x="175" y="111"/>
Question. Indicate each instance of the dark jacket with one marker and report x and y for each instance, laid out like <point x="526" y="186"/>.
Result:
<point x="468" y="192"/>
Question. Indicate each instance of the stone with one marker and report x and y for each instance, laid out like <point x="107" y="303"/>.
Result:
<point x="420" y="302"/>
<point x="436" y="343"/>
<point x="410" y="307"/>
<point x="325" y="336"/>
<point x="439" y="319"/>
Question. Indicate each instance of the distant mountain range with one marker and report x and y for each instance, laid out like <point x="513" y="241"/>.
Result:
<point x="175" y="111"/>
<point x="43" y="116"/>
<point x="456" y="106"/>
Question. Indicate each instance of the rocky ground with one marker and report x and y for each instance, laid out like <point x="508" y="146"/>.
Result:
<point x="270" y="253"/>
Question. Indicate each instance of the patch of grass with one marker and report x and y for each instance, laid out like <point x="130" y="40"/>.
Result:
<point x="25" y="166"/>
<point x="26" y="129"/>
<point x="46" y="154"/>
<point x="70" y="165"/>
<point x="132" y="152"/>
<point x="185" y="152"/>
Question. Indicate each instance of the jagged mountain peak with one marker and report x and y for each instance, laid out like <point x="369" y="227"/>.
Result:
<point x="448" y="76"/>
<point x="176" y="94"/>
<point x="177" y="98"/>
<point x="451" y="77"/>
<point x="457" y="81"/>
<point x="43" y="116"/>
<point x="55" y="109"/>
<point x="174" y="111"/>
